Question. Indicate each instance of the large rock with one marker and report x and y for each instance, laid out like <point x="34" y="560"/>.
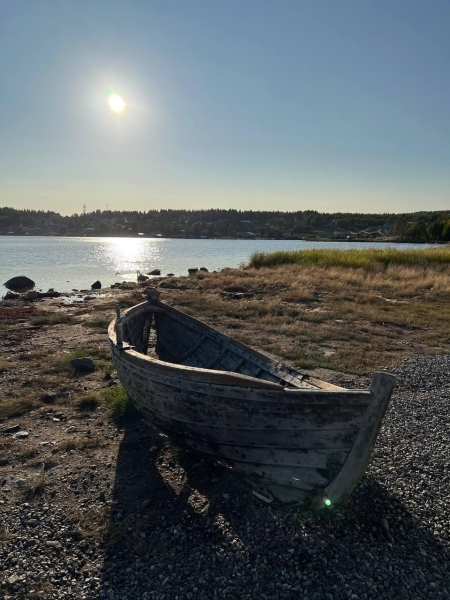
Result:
<point x="155" y="272"/>
<point x="192" y="271"/>
<point x="142" y="278"/>
<point x="204" y="269"/>
<point x="96" y="285"/>
<point x="19" y="284"/>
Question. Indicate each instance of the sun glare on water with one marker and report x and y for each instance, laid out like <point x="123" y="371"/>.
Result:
<point x="116" y="103"/>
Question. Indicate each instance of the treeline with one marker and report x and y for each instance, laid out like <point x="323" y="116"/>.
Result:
<point x="425" y="226"/>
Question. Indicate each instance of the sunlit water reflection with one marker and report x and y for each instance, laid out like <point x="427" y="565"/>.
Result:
<point x="66" y="263"/>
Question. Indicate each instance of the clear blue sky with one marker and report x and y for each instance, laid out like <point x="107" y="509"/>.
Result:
<point x="287" y="105"/>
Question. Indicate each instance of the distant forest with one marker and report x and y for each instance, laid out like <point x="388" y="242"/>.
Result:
<point x="424" y="226"/>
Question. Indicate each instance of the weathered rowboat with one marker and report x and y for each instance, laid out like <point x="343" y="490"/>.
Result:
<point x="298" y="437"/>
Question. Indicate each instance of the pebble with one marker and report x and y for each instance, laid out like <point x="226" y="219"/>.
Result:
<point x="390" y="540"/>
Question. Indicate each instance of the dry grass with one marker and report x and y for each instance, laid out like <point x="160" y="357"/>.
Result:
<point x="52" y="319"/>
<point x="80" y="443"/>
<point x="41" y="589"/>
<point x="15" y="407"/>
<point x="348" y="319"/>
<point x="88" y="403"/>
<point x="37" y="486"/>
<point x="4" y="532"/>
<point x="91" y="524"/>
<point x="40" y="354"/>
<point x="5" y="365"/>
<point x="99" y="323"/>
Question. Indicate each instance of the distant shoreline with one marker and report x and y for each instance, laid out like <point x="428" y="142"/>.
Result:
<point x="255" y="239"/>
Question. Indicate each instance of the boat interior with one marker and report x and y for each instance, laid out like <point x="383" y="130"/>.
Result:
<point x="165" y="334"/>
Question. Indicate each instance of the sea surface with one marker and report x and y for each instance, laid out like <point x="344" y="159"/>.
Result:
<point x="66" y="263"/>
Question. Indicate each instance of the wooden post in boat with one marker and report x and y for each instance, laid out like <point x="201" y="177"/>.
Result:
<point x="146" y="333"/>
<point x="356" y="463"/>
<point x="152" y="295"/>
<point x="119" y="328"/>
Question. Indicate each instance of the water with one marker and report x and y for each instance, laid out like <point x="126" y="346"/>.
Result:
<point x="65" y="263"/>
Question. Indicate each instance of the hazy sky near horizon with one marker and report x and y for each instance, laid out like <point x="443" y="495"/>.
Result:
<point x="251" y="104"/>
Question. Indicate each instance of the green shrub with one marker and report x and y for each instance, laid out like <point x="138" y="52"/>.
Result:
<point x="117" y="401"/>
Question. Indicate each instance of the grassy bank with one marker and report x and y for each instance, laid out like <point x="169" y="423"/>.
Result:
<point x="368" y="258"/>
<point x="354" y="320"/>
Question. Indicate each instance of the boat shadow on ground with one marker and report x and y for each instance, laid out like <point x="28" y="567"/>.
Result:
<point x="181" y="527"/>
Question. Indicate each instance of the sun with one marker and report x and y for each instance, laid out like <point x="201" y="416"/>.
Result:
<point x="116" y="103"/>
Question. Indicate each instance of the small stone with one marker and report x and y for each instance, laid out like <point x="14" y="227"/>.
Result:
<point x="13" y="579"/>
<point x="49" y="398"/>
<point x="261" y="497"/>
<point x="53" y="544"/>
<point x="21" y="483"/>
<point x="32" y="522"/>
<point x="145" y="504"/>
<point x="385" y="524"/>
<point x="153" y="449"/>
<point x="20" y="435"/>
<point x="82" y="364"/>
<point x="12" y="429"/>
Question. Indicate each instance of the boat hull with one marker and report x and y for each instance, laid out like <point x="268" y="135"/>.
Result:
<point x="293" y="443"/>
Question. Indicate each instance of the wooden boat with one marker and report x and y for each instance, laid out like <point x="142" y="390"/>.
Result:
<point x="295" y="436"/>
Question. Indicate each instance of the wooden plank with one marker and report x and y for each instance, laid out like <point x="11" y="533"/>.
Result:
<point x="192" y="349"/>
<point x="199" y="374"/>
<point x="234" y="419"/>
<point x="271" y="456"/>
<point x="154" y="371"/>
<point x="216" y="360"/>
<point x="336" y="439"/>
<point x="301" y="477"/>
<point x="204" y="408"/>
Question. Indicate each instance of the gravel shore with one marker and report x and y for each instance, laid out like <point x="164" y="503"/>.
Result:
<point x="155" y="522"/>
